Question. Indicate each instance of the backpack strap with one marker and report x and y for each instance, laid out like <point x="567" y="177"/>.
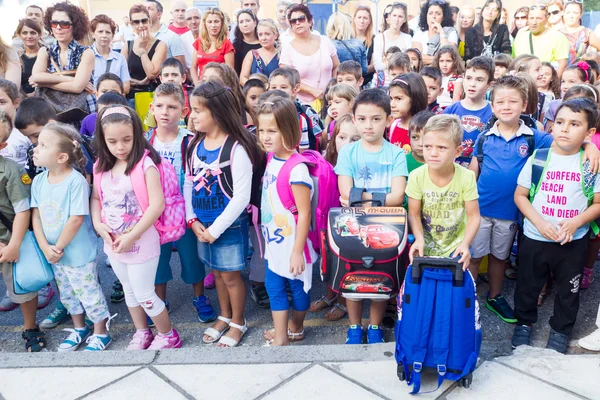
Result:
<point x="480" y="143"/>
<point x="530" y="139"/>
<point x="588" y="181"/>
<point x="225" y="178"/>
<point x="184" y="145"/>
<point x="539" y="164"/>
<point x="97" y="177"/>
<point x="138" y="182"/>
<point x="259" y="62"/>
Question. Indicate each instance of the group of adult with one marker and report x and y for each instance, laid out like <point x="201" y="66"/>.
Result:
<point x="49" y="49"/>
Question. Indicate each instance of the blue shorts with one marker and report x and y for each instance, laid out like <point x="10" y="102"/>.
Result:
<point x="276" y="285"/>
<point x="192" y="269"/>
<point x="228" y="253"/>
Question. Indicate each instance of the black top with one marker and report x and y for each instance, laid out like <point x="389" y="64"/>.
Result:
<point x="136" y="70"/>
<point x="27" y="69"/>
<point x="241" y="49"/>
<point x="476" y="44"/>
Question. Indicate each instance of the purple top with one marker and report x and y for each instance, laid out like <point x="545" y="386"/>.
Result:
<point x="88" y="125"/>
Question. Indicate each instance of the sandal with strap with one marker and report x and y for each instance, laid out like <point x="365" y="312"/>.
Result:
<point x="322" y="303"/>
<point x="230" y="342"/>
<point x="295" y="336"/>
<point x="215" y="334"/>
<point x="338" y="312"/>
<point x="35" y="340"/>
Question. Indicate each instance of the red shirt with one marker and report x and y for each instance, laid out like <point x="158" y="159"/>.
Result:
<point x="399" y="136"/>
<point x="179" y="31"/>
<point x="216" y="56"/>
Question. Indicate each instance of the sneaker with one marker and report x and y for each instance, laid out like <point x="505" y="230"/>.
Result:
<point x="57" y="316"/>
<point x="72" y="342"/>
<point x="558" y="341"/>
<point x="149" y="320"/>
<point x="355" y="335"/>
<point x="160" y="342"/>
<point x="117" y="294"/>
<point x="204" y="309"/>
<point x="6" y="304"/>
<point x="45" y="294"/>
<point x="501" y="308"/>
<point x="209" y="281"/>
<point x="141" y="340"/>
<point x="97" y="343"/>
<point x="591" y="342"/>
<point x="521" y="337"/>
<point x="260" y="296"/>
<point x="374" y="334"/>
<point x="588" y="278"/>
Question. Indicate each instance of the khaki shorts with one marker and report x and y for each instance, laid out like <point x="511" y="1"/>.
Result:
<point x="495" y="236"/>
<point x="7" y="275"/>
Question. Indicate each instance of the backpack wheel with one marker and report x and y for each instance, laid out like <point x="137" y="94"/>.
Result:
<point x="401" y="373"/>
<point x="466" y="381"/>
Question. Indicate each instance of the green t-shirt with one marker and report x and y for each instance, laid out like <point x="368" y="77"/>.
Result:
<point x="443" y="209"/>
<point x="411" y="163"/>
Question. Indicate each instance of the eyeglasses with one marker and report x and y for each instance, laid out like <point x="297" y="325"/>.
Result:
<point x="573" y="1"/>
<point x="143" y="21"/>
<point x="62" y="24"/>
<point x="440" y="2"/>
<point x="555" y="12"/>
<point x="538" y="7"/>
<point x="299" y="20"/>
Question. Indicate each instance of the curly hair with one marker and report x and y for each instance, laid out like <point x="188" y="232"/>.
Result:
<point x="446" y="21"/>
<point x="103" y="19"/>
<point x="303" y="9"/>
<point x="78" y="17"/>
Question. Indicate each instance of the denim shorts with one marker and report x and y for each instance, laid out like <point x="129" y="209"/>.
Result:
<point x="227" y="253"/>
<point x="192" y="269"/>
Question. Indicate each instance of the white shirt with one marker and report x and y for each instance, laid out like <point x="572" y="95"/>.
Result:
<point x="188" y="40"/>
<point x="17" y="147"/>
<point x="172" y="40"/>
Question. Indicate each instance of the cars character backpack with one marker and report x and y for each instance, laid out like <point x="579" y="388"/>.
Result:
<point x="365" y="247"/>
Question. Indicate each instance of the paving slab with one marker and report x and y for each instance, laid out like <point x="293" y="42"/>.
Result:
<point x="56" y="383"/>
<point x="228" y="382"/>
<point x="381" y="377"/>
<point x="495" y="381"/>
<point x="141" y="385"/>
<point x="576" y="373"/>
<point x="77" y="358"/>
<point x="319" y="383"/>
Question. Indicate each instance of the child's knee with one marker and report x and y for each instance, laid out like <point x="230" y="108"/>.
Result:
<point x="151" y="303"/>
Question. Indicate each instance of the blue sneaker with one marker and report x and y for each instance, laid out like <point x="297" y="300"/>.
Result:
<point x="204" y="309"/>
<point x="72" y="342"/>
<point x="149" y="320"/>
<point x="57" y="316"/>
<point x="355" y="335"/>
<point x="375" y="334"/>
<point x="97" y="343"/>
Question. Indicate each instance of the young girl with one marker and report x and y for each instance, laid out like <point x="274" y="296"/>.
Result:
<point x="451" y="65"/>
<point x="131" y="240"/>
<point x="63" y="229"/>
<point x="279" y="134"/>
<point x="252" y="91"/>
<point x="340" y="99"/>
<point x="408" y="96"/>
<point x="531" y="65"/>
<point x="219" y="220"/>
<point x="548" y="82"/>
<point x="17" y="142"/>
<point x="533" y="107"/>
<point x="416" y="60"/>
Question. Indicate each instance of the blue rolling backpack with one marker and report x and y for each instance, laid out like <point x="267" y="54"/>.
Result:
<point x="438" y="323"/>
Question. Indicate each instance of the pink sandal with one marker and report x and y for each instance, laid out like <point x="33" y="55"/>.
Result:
<point x="209" y="281"/>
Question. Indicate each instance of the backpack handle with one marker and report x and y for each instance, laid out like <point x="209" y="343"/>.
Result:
<point x="451" y="264"/>
<point x="355" y="198"/>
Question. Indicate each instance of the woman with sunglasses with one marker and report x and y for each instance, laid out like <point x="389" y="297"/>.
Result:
<point x="316" y="68"/>
<point x="67" y="65"/>
<point x="519" y="21"/>
<point x="488" y="37"/>
<point x="555" y="14"/>
<point x="436" y="29"/>
<point x="362" y="21"/>
<point x="144" y="54"/>
<point x="30" y="32"/>
<point x="580" y="37"/>
<point x="246" y="37"/>
<point x="396" y="35"/>
<point x="213" y="44"/>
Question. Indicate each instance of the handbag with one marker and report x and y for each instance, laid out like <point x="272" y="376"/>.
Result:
<point x="32" y="271"/>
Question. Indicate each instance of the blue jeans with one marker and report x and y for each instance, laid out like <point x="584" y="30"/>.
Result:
<point x="276" y="284"/>
<point x="228" y="253"/>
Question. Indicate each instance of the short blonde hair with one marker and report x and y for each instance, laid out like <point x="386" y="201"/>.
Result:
<point x="339" y="27"/>
<point x="342" y="90"/>
<point x="448" y="124"/>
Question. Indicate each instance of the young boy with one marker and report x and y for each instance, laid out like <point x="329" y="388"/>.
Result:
<point x="107" y="83"/>
<point x="505" y="148"/>
<point x="557" y="215"/>
<point x="88" y="125"/>
<point x="501" y="63"/>
<point x="350" y="72"/>
<point x="433" y="81"/>
<point x="387" y="163"/>
<point x="172" y="71"/>
<point x="415" y="159"/>
<point x="397" y="64"/>
<point x="442" y="196"/>
<point x="474" y="111"/>
<point x="14" y="203"/>
<point x="170" y="141"/>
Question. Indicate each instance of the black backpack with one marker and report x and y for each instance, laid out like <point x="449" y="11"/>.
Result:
<point x="313" y="143"/>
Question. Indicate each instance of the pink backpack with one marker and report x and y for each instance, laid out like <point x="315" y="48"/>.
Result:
<point x="171" y="224"/>
<point x="326" y="193"/>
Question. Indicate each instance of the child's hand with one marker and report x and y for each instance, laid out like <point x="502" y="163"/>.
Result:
<point x="465" y="255"/>
<point x="198" y="230"/>
<point x="208" y="238"/>
<point x="547" y="230"/>
<point x="344" y="202"/>
<point x="297" y="263"/>
<point x="9" y="253"/>
<point x="124" y="243"/>
<point x="591" y="152"/>
<point x="53" y="254"/>
<point x="566" y="231"/>
<point x="105" y="233"/>
<point x="417" y="247"/>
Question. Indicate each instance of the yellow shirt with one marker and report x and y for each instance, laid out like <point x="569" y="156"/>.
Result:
<point x="443" y="209"/>
<point x="550" y="46"/>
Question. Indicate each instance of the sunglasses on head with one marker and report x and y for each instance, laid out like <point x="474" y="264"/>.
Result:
<point x="573" y="1"/>
<point x="139" y="21"/>
<point x="440" y="2"/>
<point x="62" y="24"/>
<point x="538" y="7"/>
<point x="299" y="20"/>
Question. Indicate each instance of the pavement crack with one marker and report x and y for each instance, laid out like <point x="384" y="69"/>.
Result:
<point x="109" y="383"/>
<point x="283" y="382"/>
<point x="170" y="382"/>
<point x="337" y="372"/>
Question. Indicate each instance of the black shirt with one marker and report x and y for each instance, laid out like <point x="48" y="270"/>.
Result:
<point x="27" y="69"/>
<point x="241" y="50"/>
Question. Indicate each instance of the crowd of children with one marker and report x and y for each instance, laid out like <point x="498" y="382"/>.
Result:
<point x="464" y="149"/>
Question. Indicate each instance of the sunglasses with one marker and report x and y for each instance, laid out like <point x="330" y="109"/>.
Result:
<point x="555" y="12"/>
<point x="538" y="7"/>
<point x="573" y="1"/>
<point x="441" y="2"/>
<point x="62" y="24"/>
<point x="521" y="17"/>
<point x="299" y="20"/>
<point x="143" y="21"/>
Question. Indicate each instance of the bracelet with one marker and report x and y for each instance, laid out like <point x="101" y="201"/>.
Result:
<point x="191" y="222"/>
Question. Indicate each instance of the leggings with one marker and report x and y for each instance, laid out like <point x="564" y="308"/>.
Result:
<point x="138" y="285"/>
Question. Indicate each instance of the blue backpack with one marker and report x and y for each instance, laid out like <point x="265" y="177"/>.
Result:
<point x="438" y="322"/>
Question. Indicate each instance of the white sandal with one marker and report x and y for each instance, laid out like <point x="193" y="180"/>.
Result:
<point x="229" y="342"/>
<point x="215" y="334"/>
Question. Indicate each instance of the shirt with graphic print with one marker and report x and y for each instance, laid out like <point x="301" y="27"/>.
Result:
<point x="473" y="123"/>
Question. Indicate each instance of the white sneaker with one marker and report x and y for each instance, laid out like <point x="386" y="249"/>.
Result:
<point x="591" y="342"/>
